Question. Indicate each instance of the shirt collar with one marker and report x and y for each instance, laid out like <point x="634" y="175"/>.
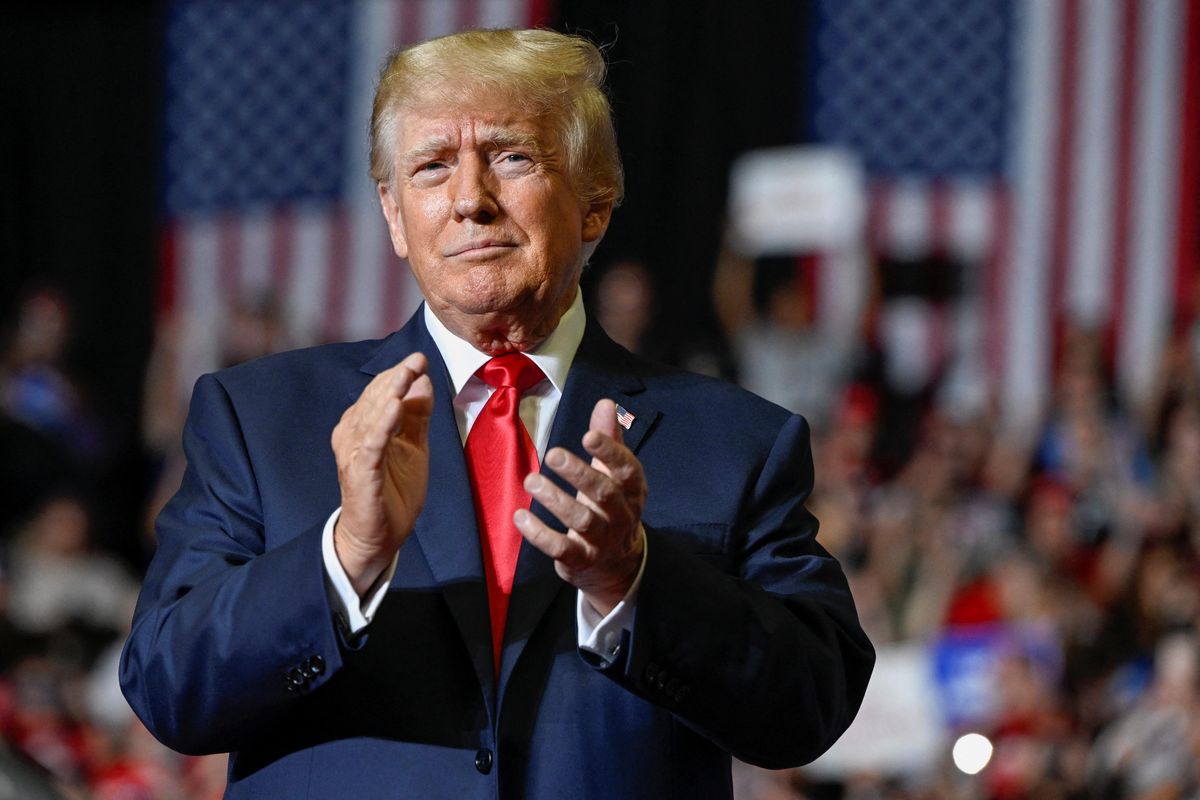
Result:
<point x="553" y="356"/>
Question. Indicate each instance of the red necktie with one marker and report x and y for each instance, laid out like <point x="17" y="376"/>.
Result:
<point x="499" y="456"/>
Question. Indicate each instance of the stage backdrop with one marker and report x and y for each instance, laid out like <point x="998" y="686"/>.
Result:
<point x="266" y="193"/>
<point x="1051" y="146"/>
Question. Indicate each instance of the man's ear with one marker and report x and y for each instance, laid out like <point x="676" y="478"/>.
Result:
<point x="596" y="215"/>
<point x="391" y="213"/>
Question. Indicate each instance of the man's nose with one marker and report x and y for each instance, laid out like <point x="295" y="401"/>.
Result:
<point x="471" y="195"/>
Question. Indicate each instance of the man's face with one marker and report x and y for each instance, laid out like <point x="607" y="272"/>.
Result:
<point x="483" y="209"/>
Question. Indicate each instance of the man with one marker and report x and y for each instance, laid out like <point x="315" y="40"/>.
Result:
<point x="614" y="623"/>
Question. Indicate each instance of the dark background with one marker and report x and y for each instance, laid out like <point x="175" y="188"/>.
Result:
<point x="80" y="87"/>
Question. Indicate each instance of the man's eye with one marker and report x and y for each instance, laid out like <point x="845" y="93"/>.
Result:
<point x="514" y="158"/>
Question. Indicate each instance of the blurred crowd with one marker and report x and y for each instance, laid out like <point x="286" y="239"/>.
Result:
<point x="66" y="599"/>
<point x="1050" y="574"/>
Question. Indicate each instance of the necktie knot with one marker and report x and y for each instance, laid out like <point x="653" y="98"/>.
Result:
<point x="516" y="370"/>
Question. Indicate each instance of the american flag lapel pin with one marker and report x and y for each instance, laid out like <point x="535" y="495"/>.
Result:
<point x="624" y="418"/>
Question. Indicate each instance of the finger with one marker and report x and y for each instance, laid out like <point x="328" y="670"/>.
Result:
<point x="360" y="440"/>
<point x="415" y="365"/>
<point x="566" y="548"/>
<point x="392" y="382"/>
<point x="612" y="457"/>
<point x="372" y="414"/>
<point x="375" y="436"/>
<point x="395" y="383"/>
<point x="605" y="442"/>
<point x="416" y="410"/>
<point x="417" y="362"/>
<point x="594" y="484"/>
<point x="371" y="420"/>
<point x="381" y="414"/>
<point x="604" y="419"/>
<point x="572" y="513"/>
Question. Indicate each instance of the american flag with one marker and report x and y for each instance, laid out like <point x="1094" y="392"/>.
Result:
<point x="624" y="418"/>
<point x="265" y="172"/>
<point x="1050" y="144"/>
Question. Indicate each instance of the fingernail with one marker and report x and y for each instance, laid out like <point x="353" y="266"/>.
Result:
<point x="520" y="516"/>
<point x="533" y="482"/>
<point x="556" y="459"/>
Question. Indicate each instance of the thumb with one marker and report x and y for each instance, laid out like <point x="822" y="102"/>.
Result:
<point x="604" y="419"/>
<point x="604" y="423"/>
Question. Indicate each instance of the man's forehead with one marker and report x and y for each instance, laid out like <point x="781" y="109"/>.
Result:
<point x="480" y="125"/>
<point x="442" y="127"/>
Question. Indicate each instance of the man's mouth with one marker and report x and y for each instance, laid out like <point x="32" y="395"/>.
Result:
<point x="481" y="247"/>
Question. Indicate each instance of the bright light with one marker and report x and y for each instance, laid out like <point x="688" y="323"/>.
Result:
<point x="971" y="753"/>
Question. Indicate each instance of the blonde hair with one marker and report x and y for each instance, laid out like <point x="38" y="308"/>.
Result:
<point x="544" y="72"/>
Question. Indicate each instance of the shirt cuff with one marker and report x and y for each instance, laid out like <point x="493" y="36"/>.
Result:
<point x="356" y="612"/>
<point x="602" y="635"/>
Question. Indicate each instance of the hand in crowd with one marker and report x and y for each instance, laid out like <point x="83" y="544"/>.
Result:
<point x="601" y="552"/>
<point x="382" y="452"/>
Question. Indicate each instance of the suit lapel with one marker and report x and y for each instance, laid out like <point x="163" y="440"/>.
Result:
<point x="600" y="370"/>
<point x="446" y="530"/>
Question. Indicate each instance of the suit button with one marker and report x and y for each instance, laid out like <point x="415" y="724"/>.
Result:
<point x="483" y="760"/>
<point x="672" y="687"/>
<point x="683" y="694"/>
<point x="297" y="677"/>
<point x="651" y="672"/>
<point x="316" y="666"/>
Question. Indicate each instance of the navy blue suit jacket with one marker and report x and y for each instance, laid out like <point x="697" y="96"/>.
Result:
<point x="745" y="641"/>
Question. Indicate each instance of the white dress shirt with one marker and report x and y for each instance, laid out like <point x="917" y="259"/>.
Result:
<point x="597" y="634"/>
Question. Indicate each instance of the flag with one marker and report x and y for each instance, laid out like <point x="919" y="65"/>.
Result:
<point x="1049" y="144"/>
<point x="265" y="187"/>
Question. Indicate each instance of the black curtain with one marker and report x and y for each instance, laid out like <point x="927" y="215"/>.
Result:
<point x="693" y="85"/>
<point x="78" y="155"/>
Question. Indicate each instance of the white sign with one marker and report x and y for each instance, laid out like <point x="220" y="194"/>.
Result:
<point x="797" y="199"/>
<point x="899" y="729"/>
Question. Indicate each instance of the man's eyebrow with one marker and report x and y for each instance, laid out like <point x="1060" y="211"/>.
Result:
<point x="429" y="148"/>
<point x="508" y="137"/>
<point x="501" y="138"/>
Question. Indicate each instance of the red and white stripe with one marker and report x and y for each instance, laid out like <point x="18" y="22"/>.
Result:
<point x="332" y="267"/>
<point x="1097" y="225"/>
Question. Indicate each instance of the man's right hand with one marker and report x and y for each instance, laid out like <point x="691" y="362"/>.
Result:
<point x="381" y="445"/>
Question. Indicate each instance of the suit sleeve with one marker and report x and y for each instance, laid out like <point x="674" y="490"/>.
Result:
<point x="228" y="634"/>
<point x="767" y="659"/>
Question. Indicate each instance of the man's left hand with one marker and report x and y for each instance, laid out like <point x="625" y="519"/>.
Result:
<point x="601" y="552"/>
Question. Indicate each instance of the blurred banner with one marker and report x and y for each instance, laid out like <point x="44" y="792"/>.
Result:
<point x="923" y="695"/>
<point x="970" y="664"/>
<point x="1050" y="146"/>
<point x="266" y="193"/>
<point x="900" y="729"/>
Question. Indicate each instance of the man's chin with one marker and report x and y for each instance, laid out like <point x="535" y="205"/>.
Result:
<point x="490" y="305"/>
<point x="486" y="317"/>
